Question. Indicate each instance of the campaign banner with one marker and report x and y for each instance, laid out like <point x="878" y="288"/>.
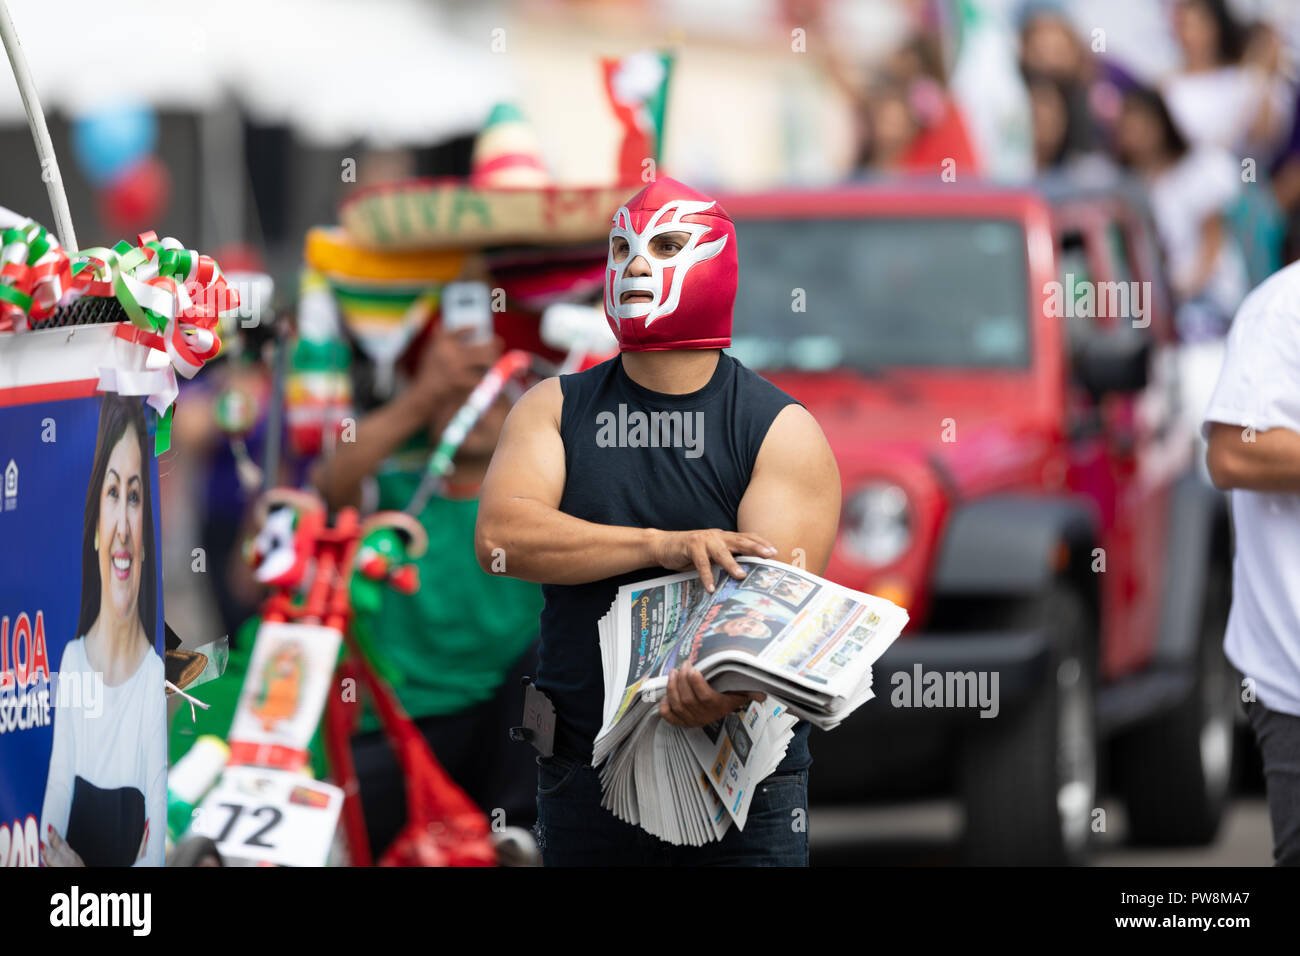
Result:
<point x="83" y="746"/>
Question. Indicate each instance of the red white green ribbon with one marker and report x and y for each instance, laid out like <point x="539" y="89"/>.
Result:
<point x="168" y="289"/>
<point x="164" y="288"/>
<point x="34" y="275"/>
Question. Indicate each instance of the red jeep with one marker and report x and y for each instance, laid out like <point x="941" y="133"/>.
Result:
<point x="993" y="369"/>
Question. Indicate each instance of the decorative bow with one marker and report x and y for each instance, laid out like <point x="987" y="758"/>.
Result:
<point x="164" y="288"/>
<point x="35" y="276"/>
<point x="168" y="289"/>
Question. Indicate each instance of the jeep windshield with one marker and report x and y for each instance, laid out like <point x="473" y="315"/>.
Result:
<point x="872" y="294"/>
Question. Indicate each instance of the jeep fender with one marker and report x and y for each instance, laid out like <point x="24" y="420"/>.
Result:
<point x="1007" y="545"/>
<point x="1195" y="511"/>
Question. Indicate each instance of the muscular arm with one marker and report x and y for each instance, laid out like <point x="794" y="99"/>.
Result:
<point x="519" y="517"/>
<point x="1269" y="463"/>
<point x="793" y="499"/>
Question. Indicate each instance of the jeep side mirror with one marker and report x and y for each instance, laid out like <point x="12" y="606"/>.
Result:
<point x="1115" y="361"/>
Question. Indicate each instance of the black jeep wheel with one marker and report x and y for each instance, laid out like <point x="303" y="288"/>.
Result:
<point x="1176" y="770"/>
<point x="1029" y="780"/>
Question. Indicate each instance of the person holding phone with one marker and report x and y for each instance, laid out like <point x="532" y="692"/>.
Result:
<point x="464" y="638"/>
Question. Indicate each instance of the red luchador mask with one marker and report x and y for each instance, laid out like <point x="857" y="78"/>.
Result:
<point x="692" y="292"/>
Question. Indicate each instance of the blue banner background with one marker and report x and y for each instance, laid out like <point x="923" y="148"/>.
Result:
<point x="40" y="570"/>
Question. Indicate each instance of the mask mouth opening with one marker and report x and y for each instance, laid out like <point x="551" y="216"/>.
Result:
<point x="645" y="283"/>
<point x="637" y="293"/>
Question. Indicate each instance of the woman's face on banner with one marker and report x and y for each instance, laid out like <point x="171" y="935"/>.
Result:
<point x="121" y="527"/>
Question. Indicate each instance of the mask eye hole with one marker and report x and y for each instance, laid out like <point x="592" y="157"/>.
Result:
<point x="619" y="248"/>
<point x="668" y="244"/>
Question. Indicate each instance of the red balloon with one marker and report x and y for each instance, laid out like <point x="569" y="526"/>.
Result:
<point x="136" y="199"/>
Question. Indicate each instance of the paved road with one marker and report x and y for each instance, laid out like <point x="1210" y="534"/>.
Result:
<point x="928" y="834"/>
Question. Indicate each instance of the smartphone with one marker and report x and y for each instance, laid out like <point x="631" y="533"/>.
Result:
<point x="468" y="305"/>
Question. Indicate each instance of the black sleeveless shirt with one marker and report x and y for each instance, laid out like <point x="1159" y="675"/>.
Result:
<point x="685" y="471"/>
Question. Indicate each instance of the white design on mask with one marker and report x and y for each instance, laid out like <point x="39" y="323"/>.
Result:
<point x="639" y="245"/>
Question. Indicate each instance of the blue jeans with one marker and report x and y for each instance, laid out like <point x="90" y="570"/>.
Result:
<point x="573" y="829"/>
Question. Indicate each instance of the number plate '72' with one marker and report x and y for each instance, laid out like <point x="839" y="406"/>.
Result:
<point x="270" y="816"/>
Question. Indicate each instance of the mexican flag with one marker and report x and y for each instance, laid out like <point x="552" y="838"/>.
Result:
<point x="988" y="87"/>
<point x="637" y="87"/>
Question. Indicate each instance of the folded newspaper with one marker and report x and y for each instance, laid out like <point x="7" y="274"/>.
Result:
<point x="805" y="642"/>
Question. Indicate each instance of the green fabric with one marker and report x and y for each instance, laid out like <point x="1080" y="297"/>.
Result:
<point x="1257" y="223"/>
<point x="222" y="697"/>
<point x="456" y="639"/>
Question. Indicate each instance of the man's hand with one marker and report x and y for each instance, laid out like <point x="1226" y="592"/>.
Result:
<point x="679" y="550"/>
<point x="691" y="702"/>
<point x="452" y="365"/>
<point x="57" y="852"/>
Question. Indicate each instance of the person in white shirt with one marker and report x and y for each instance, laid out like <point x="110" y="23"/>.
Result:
<point x="1230" y="92"/>
<point x="1190" y="191"/>
<point x="106" y="792"/>
<point x="1252" y="426"/>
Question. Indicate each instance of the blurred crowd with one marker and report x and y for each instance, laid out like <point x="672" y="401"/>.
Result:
<point x="969" y="92"/>
<point x="1215" y="142"/>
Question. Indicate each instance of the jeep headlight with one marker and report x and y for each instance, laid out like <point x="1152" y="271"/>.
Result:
<point x="877" y="527"/>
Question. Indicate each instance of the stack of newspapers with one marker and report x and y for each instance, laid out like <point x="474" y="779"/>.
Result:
<point x="807" y="643"/>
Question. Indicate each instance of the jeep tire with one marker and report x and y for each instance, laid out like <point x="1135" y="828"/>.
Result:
<point x="1176" y="770"/>
<point x="1029" y="777"/>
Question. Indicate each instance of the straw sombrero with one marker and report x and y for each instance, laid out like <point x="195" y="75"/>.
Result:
<point x="508" y="199"/>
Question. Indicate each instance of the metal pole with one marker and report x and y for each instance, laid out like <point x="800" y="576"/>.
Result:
<point x="280" y="343"/>
<point x="40" y="132"/>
